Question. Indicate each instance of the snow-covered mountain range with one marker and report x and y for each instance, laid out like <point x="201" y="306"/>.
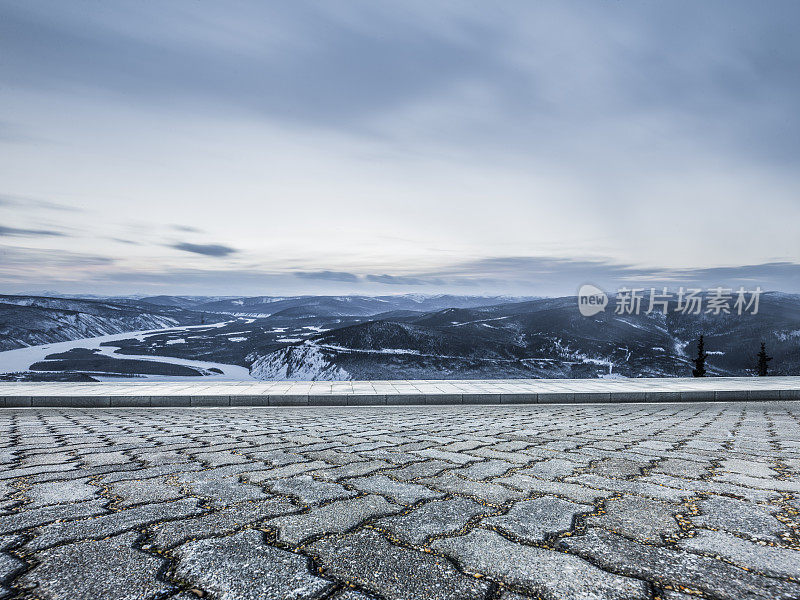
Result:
<point x="399" y="337"/>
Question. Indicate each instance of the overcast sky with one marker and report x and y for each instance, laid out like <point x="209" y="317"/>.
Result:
<point x="385" y="147"/>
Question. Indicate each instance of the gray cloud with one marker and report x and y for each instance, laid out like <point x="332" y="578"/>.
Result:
<point x="709" y="65"/>
<point x="328" y="276"/>
<point x="559" y="276"/>
<point x="17" y="232"/>
<point x="216" y="250"/>
<point x="187" y="229"/>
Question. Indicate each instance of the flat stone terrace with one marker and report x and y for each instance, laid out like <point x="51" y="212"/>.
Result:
<point x="341" y="393"/>
<point x="510" y="502"/>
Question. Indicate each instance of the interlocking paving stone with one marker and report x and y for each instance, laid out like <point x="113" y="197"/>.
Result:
<point x="737" y="516"/>
<point x="219" y="459"/>
<point x="155" y="458"/>
<point x="433" y="518"/>
<point x="352" y="470"/>
<point x="46" y="458"/>
<point x="702" y="486"/>
<point x="533" y="520"/>
<point x="681" y="468"/>
<point x="111" y="475"/>
<point x="368" y="559"/>
<point x="226" y="520"/>
<point x="60" y="492"/>
<point x="572" y="491"/>
<point x="665" y="566"/>
<point x="310" y="491"/>
<point x="243" y="567"/>
<point x="285" y="471"/>
<point x="486" y="469"/>
<point x="9" y="566"/>
<point x="400" y="492"/>
<point x="109" y="568"/>
<point x="336" y="517"/>
<point x="770" y="560"/>
<point x="549" y="574"/>
<point x="100" y="459"/>
<point x="759" y="482"/>
<point x="113" y="523"/>
<point x="616" y="467"/>
<point x="277" y="458"/>
<point x="427" y="468"/>
<point x="638" y="518"/>
<point x="453" y="457"/>
<point x="6" y="489"/>
<point x="631" y="487"/>
<point x="141" y="491"/>
<point x="218" y="488"/>
<point x="488" y="492"/>
<point x="37" y="470"/>
<point x="748" y="467"/>
<point x="500" y="455"/>
<point x="35" y="517"/>
<point x="554" y="468"/>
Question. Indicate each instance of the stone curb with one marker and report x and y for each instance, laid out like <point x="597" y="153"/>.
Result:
<point x="183" y="401"/>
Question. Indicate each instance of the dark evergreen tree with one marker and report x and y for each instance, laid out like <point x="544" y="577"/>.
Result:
<point x="763" y="359"/>
<point x="700" y="362"/>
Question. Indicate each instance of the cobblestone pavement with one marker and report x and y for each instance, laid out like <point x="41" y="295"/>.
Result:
<point x="452" y="502"/>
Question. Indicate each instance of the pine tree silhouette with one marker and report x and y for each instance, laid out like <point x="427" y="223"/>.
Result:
<point x="763" y="359"/>
<point x="700" y="362"/>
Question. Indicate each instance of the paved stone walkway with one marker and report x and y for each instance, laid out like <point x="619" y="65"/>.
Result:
<point x="136" y="394"/>
<point x="670" y="501"/>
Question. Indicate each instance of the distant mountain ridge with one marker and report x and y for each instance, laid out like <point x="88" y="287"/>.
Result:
<point x="32" y="320"/>
<point x="549" y="338"/>
<point x="334" y="306"/>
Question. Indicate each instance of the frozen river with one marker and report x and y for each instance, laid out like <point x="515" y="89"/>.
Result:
<point x="21" y="359"/>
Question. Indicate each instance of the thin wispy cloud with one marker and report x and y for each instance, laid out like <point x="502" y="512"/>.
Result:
<point x="215" y="250"/>
<point x="20" y="232"/>
<point x="187" y="229"/>
<point x="328" y="276"/>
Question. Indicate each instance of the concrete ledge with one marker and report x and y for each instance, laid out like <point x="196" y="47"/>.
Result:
<point x="397" y="393"/>
<point x="519" y="398"/>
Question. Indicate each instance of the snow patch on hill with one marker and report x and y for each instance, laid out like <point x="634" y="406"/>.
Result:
<point x="297" y="363"/>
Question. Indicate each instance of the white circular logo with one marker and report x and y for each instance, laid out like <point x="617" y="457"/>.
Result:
<point x="591" y="300"/>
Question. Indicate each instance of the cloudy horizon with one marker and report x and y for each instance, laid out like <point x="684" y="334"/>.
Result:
<point x="378" y="148"/>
